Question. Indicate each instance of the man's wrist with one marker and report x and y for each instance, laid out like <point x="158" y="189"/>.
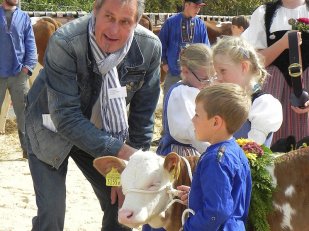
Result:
<point x="125" y="152"/>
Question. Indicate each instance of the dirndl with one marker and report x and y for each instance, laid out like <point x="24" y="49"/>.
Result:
<point x="293" y="124"/>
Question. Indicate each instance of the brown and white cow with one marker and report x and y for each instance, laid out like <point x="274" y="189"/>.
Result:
<point x="148" y="181"/>
<point x="146" y="172"/>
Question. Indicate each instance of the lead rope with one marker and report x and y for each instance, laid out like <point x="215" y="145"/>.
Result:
<point x="188" y="210"/>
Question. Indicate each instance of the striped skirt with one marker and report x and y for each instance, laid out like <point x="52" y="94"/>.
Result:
<point x="184" y="150"/>
<point x="293" y="123"/>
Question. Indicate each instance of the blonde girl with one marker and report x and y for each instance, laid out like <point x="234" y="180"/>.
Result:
<point x="196" y="73"/>
<point x="236" y="61"/>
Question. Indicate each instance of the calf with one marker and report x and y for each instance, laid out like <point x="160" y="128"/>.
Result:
<point x="291" y="201"/>
<point x="147" y="177"/>
<point x="148" y="182"/>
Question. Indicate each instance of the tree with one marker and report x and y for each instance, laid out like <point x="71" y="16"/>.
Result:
<point x="213" y="7"/>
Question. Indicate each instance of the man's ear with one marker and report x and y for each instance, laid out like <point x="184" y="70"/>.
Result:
<point x="105" y="164"/>
<point x="172" y="164"/>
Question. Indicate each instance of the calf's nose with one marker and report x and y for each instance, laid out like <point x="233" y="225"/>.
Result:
<point x="124" y="215"/>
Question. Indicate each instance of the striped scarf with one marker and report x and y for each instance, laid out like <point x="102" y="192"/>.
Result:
<point x="109" y="113"/>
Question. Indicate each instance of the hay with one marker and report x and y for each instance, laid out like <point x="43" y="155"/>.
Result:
<point x="10" y="126"/>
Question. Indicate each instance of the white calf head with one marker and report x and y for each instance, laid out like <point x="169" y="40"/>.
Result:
<point x="145" y="180"/>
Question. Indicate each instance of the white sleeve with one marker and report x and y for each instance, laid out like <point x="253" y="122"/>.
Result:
<point x="265" y="117"/>
<point x="180" y="111"/>
<point x="255" y="34"/>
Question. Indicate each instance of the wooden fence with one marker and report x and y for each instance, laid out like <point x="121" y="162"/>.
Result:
<point x="157" y="19"/>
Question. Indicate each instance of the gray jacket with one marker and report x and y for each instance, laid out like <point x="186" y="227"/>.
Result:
<point x="69" y="85"/>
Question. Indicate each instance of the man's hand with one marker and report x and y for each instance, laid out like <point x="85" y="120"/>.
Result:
<point x="117" y="195"/>
<point x="125" y="152"/>
<point x="25" y="70"/>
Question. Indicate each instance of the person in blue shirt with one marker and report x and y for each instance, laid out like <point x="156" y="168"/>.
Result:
<point x="219" y="197"/>
<point x="177" y="32"/>
<point x="18" y="57"/>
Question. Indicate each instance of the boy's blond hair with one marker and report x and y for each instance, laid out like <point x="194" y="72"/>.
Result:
<point x="195" y="56"/>
<point x="227" y="100"/>
<point x="239" y="50"/>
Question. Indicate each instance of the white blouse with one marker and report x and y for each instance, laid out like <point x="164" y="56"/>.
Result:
<point x="180" y="111"/>
<point x="265" y="116"/>
<point x="255" y="34"/>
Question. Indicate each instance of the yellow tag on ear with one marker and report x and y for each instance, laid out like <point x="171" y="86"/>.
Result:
<point x="113" y="178"/>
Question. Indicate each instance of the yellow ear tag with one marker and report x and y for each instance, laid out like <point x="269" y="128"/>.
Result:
<point x="113" y="178"/>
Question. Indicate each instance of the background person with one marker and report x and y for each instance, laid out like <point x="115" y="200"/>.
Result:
<point x="239" y="24"/>
<point x="177" y="32"/>
<point x="236" y="61"/>
<point x="76" y="107"/>
<point x="268" y="34"/>
<point x="18" y="57"/>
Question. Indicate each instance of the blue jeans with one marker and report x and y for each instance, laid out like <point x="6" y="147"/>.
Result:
<point x="18" y="88"/>
<point x="50" y="191"/>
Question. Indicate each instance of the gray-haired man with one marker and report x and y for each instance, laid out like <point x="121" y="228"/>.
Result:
<point x="76" y="108"/>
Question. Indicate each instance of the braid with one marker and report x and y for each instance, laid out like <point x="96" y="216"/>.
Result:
<point x="258" y="67"/>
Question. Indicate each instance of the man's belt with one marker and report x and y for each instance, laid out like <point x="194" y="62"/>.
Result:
<point x="299" y="97"/>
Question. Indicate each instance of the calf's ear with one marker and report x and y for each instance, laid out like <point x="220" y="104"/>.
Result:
<point x="172" y="164"/>
<point x="105" y="164"/>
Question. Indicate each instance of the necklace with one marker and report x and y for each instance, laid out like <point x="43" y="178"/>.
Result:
<point x="187" y="30"/>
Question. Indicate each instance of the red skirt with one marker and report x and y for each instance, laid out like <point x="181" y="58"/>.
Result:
<point x="293" y="123"/>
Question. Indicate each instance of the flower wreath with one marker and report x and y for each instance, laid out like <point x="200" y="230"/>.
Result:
<point x="259" y="157"/>
<point x="300" y="24"/>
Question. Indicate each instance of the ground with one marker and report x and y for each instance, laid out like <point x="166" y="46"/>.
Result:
<point x="17" y="200"/>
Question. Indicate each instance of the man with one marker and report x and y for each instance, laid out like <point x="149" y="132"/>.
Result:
<point x="77" y="105"/>
<point x="18" y="57"/>
<point x="178" y="32"/>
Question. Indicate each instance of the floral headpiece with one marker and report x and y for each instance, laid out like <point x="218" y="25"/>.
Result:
<point x="301" y="24"/>
<point x="259" y="157"/>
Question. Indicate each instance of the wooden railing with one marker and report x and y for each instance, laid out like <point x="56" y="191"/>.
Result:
<point x="157" y="19"/>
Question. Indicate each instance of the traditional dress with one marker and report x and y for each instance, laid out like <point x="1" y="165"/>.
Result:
<point x="178" y="111"/>
<point x="275" y="18"/>
<point x="265" y="118"/>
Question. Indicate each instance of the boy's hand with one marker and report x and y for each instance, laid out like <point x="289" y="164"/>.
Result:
<point x="184" y="193"/>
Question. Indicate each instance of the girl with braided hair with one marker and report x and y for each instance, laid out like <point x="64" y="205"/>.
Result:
<point x="236" y="61"/>
<point x="268" y="33"/>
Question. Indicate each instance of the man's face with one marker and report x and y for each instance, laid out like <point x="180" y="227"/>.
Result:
<point x="193" y="9"/>
<point x="11" y="2"/>
<point x="115" y="22"/>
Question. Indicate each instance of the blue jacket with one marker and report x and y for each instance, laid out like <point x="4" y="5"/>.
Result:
<point x="221" y="189"/>
<point x="17" y="45"/>
<point x="171" y="39"/>
<point x="70" y="84"/>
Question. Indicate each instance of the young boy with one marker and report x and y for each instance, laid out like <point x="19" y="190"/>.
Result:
<point x="239" y="24"/>
<point x="221" y="186"/>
